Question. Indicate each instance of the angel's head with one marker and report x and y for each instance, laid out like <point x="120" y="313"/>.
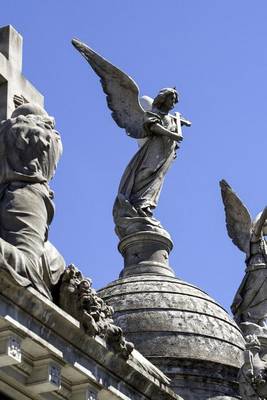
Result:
<point x="166" y="99"/>
<point x="263" y="224"/>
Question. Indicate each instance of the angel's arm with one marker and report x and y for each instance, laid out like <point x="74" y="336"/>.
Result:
<point x="152" y="125"/>
<point x="158" y="129"/>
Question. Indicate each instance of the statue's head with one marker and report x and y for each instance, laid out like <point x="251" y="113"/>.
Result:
<point x="33" y="109"/>
<point x="29" y="108"/>
<point x="33" y="146"/>
<point x="166" y="99"/>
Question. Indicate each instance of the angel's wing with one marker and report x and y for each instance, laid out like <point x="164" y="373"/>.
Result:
<point x="238" y="220"/>
<point x="146" y="102"/>
<point x="121" y="90"/>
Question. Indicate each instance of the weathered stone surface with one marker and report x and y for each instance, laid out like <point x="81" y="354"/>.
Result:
<point x="30" y="150"/>
<point x="182" y="331"/>
<point x="61" y="362"/>
<point x="200" y="380"/>
<point x="253" y="373"/>
<point x="159" y="134"/>
<point x="79" y="299"/>
<point x="250" y="303"/>
<point x="146" y="252"/>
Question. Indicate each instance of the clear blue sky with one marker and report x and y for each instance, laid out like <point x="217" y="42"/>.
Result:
<point x="215" y="53"/>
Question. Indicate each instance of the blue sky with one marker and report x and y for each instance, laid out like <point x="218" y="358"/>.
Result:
<point x="215" y="53"/>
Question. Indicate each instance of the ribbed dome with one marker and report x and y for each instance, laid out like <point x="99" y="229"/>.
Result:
<point x="182" y="330"/>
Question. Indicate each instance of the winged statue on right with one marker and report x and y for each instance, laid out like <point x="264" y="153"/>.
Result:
<point x="250" y="302"/>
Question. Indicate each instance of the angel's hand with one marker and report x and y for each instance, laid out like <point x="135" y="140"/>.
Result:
<point x="158" y="129"/>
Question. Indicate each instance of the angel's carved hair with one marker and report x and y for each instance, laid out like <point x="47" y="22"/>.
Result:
<point x="163" y="94"/>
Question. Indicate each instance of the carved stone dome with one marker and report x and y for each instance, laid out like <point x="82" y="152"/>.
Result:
<point x="180" y="329"/>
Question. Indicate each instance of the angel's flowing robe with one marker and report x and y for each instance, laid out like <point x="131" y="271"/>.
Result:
<point x="29" y="152"/>
<point x="250" y="302"/>
<point x="142" y="181"/>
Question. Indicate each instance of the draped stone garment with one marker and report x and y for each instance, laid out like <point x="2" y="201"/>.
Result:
<point x="143" y="178"/>
<point x="250" y="302"/>
<point x="29" y="151"/>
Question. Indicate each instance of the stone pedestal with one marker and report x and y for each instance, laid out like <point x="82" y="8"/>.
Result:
<point x="146" y="253"/>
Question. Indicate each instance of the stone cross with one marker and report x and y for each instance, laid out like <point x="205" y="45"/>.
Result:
<point x="14" y="88"/>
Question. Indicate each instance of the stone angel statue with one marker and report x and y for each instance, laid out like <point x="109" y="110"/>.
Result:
<point x="158" y="133"/>
<point x="250" y="302"/>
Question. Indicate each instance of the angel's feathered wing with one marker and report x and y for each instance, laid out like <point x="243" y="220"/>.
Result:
<point x="121" y="90"/>
<point x="238" y="220"/>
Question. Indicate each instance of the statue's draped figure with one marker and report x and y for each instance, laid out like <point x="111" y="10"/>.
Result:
<point x="30" y="149"/>
<point x="142" y="181"/>
<point x="250" y="303"/>
<point x="157" y="132"/>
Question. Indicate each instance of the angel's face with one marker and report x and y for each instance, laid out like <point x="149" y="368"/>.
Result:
<point x="170" y="102"/>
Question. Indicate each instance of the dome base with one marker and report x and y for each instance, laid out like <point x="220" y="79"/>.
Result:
<point x="146" y="252"/>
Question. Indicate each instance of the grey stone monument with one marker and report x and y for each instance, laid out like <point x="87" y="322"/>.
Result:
<point x="144" y="243"/>
<point x="30" y="149"/>
<point x="58" y="339"/>
<point x="175" y="325"/>
<point x="250" y="303"/>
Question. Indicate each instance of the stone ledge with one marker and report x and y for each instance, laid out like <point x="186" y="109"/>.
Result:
<point x="57" y="357"/>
